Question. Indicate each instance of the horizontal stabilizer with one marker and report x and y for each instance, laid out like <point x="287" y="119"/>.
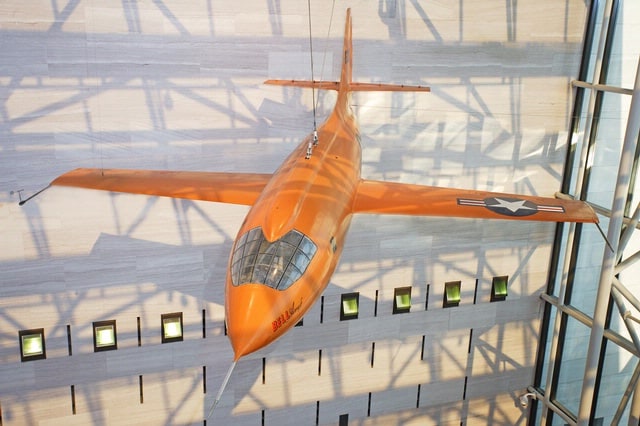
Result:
<point x="353" y="87"/>
<point x="233" y="188"/>
<point x="307" y="84"/>
<point x="384" y="87"/>
<point x="379" y="197"/>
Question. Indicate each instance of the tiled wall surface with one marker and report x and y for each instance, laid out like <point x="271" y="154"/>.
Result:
<point x="177" y="85"/>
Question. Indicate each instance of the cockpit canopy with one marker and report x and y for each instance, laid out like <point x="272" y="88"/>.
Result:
<point x="276" y="264"/>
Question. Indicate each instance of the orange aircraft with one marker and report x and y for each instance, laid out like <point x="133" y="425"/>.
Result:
<point x="290" y="242"/>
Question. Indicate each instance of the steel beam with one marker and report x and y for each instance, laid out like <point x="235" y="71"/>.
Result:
<point x="610" y="256"/>
<point x="626" y="396"/>
<point x="634" y="412"/>
<point x="601" y="87"/>
<point x="626" y="316"/>
<point x="612" y="336"/>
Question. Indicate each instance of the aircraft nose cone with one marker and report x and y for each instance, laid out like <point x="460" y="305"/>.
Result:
<point x="251" y="310"/>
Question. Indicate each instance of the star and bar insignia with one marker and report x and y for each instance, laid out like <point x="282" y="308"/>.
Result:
<point x="510" y="206"/>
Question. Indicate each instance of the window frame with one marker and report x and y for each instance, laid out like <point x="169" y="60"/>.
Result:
<point x="400" y="292"/>
<point x="278" y="264"/>
<point x="105" y="347"/>
<point x="163" y="334"/>
<point x="499" y="297"/>
<point x="453" y="302"/>
<point x="32" y="332"/>
<point x="346" y="297"/>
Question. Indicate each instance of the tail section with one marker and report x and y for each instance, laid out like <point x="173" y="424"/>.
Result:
<point x="345" y="84"/>
<point x="347" y="55"/>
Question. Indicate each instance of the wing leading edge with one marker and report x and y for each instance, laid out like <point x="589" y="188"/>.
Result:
<point x="379" y="197"/>
<point x="233" y="188"/>
<point x="375" y="197"/>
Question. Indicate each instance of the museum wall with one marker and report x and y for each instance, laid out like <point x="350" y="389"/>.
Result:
<point x="177" y="85"/>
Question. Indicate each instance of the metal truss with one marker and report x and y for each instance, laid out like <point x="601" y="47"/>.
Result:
<point x="617" y="257"/>
<point x="621" y="229"/>
<point x="618" y="240"/>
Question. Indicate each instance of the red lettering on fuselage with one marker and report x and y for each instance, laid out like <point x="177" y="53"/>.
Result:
<point x="285" y="316"/>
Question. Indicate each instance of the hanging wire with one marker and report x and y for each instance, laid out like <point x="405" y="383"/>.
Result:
<point x="313" y="89"/>
<point x="326" y="46"/>
<point x="315" y="101"/>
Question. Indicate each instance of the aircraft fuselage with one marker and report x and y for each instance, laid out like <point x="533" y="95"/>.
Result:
<point x="312" y="196"/>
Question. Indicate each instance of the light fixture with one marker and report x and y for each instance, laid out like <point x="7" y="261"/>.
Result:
<point x="401" y="300"/>
<point x="104" y="336"/>
<point x="451" y="294"/>
<point x="32" y="345"/>
<point x="499" y="288"/>
<point x="524" y="399"/>
<point x="349" y="306"/>
<point x="172" y="327"/>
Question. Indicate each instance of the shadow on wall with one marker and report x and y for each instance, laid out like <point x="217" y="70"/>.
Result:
<point x="164" y="100"/>
<point x="175" y="100"/>
<point x="131" y="276"/>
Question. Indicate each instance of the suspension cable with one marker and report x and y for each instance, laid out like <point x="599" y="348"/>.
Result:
<point x="326" y="46"/>
<point x="314" y="141"/>
<point x="313" y="89"/>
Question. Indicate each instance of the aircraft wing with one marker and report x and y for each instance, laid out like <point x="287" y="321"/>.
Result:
<point x="234" y="188"/>
<point x="379" y="197"/>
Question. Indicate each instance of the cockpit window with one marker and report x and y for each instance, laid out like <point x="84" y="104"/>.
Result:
<point x="277" y="265"/>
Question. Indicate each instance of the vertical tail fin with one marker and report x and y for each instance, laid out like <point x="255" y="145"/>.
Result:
<point x="347" y="55"/>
